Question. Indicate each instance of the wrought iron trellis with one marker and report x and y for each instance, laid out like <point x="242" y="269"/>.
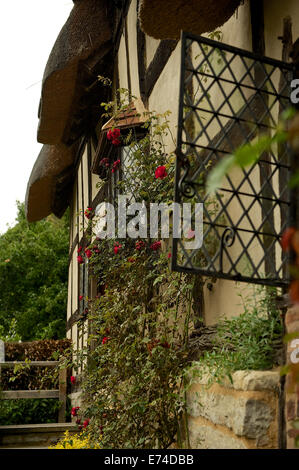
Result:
<point x="228" y="97"/>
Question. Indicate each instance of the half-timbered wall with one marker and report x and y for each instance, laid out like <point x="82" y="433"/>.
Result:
<point x="83" y="196"/>
<point x="150" y="69"/>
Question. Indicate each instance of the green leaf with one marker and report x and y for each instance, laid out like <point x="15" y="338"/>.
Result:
<point x="288" y="114"/>
<point x="294" y="181"/>
<point x="219" y="171"/>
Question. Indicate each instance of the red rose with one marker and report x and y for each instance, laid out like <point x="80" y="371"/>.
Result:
<point x="286" y="238"/>
<point x="139" y="245"/>
<point x="74" y="410"/>
<point x="88" y="253"/>
<point x="160" y="172"/>
<point x="80" y="297"/>
<point x="80" y="259"/>
<point x="105" y="339"/>
<point x="116" y="248"/>
<point x="73" y="380"/>
<point x="155" y="246"/>
<point x="116" y="142"/>
<point x="79" y="249"/>
<point x="105" y="162"/>
<point x="116" y="165"/>
<point x="169" y="255"/>
<point x="88" y="212"/>
<point x="113" y="135"/>
<point x="86" y="423"/>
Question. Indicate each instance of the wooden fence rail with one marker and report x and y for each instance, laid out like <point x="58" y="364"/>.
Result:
<point x="18" y="394"/>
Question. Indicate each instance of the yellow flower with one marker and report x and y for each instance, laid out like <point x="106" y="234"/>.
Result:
<point x="75" y="441"/>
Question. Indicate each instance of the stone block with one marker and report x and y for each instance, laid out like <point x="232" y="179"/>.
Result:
<point x="256" y="380"/>
<point x="207" y="437"/>
<point x="244" y="415"/>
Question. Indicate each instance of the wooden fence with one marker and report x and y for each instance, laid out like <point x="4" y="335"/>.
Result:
<point x="16" y="394"/>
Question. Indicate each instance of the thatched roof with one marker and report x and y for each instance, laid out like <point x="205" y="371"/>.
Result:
<point x="164" y="19"/>
<point x="70" y="103"/>
<point x="53" y="163"/>
<point x="85" y="38"/>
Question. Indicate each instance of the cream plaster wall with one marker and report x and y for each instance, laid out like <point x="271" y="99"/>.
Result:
<point x="132" y="40"/>
<point x="274" y="12"/>
<point x="164" y="96"/>
<point x="122" y="63"/>
<point x="150" y="48"/>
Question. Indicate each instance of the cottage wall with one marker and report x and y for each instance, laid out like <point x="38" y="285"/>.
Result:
<point x="210" y="426"/>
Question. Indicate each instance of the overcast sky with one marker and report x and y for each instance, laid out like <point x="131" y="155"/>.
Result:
<point x="28" y="30"/>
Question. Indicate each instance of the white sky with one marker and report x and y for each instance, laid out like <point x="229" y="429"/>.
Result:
<point x="28" y="30"/>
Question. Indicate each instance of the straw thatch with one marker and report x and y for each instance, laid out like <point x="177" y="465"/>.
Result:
<point x="52" y="164"/>
<point x="69" y="90"/>
<point x="86" y="36"/>
<point x="164" y="19"/>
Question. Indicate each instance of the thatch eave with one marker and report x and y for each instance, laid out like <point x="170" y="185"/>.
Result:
<point x="165" y="19"/>
<point x="53" y="167"/>
<point x="81" y="52"/>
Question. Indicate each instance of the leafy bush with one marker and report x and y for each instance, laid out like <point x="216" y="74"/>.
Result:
<point x="28" y="411"/>
<point x="32" y="378"/>
<point x="251" y="341"/>
<point x="33" y="276"/>
<point x="31" y="411"/>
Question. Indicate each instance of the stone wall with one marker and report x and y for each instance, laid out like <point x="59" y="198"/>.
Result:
<point x="292" y="379"/>
<point x="239" y="415"/>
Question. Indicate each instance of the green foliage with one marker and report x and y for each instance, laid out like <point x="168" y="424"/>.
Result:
<point x="131" y="385"/>
<point x="138" y="344"/>
<point x="25" y="377"/>
<point x="33" y="276"/>
<point x="247" y="342"/>
<point x="28" y="411"/>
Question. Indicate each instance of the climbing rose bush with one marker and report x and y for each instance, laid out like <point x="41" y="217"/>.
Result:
<point x="132" y="386"/>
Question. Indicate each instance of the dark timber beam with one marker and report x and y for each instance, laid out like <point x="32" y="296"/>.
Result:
<point x="257" y="26"/>
<point x="141" y="56"/>
<point x="155" y="68"/>
<point x="258" y="47"/>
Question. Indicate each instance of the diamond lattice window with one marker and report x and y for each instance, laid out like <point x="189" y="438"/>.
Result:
<point x="229" y="97"/>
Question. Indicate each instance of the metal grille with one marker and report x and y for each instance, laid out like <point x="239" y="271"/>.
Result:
<point x="229" y="96"/>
